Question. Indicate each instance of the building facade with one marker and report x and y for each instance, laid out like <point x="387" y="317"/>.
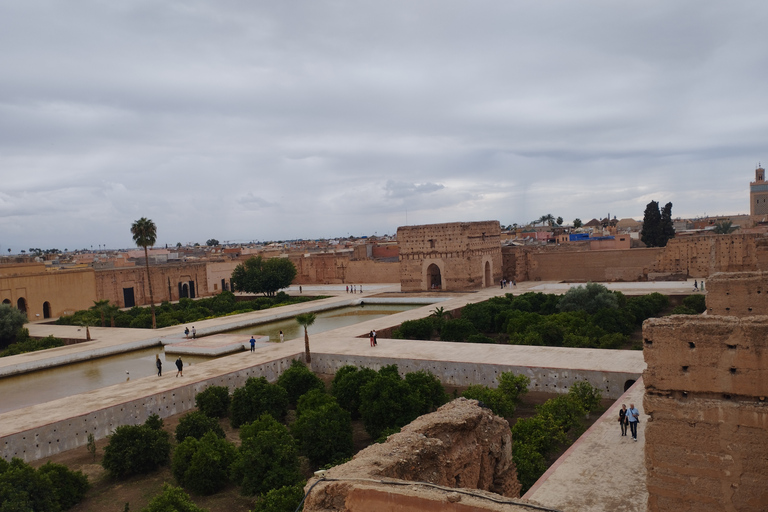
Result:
<point x="758" y="193"/>
<point x="451" y="257"/>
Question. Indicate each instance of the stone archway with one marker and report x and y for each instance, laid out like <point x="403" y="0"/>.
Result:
<point x="21" y="304"/>
<point x="487" y="273"/>
<point x="7" y="301"/>
<point x="628" y="384"/>
<point x="46" y="309"/>
<point x="434" y="278"/>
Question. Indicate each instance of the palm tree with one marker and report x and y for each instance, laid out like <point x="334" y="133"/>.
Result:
<point x="724" y="227"/>
<point x="102" y="306"/>
<point x="305" y="320"/>
<point x="144" y="234"/>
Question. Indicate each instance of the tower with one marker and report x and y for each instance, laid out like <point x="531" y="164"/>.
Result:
<point x="758" y="193"/>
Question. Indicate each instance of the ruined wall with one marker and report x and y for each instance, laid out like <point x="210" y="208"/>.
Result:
<point x="738" y="294"/>
<point x="558" y="264"/>
<point x="65" y="291"/>
<point x="331" y="268"/>
<point x="461" y="445"/>
<point x="705" y="255"/>
<point x="165" y="282"/>
<point x="706" y="388"/>
<point x="461" y="250"/>
<point x="216" y="271"/>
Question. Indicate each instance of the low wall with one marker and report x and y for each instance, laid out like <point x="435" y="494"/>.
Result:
<point x="58" y="436"/>
<point x="546" y="380"/>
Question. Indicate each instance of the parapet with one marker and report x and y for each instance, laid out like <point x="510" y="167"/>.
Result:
<point x="738" y="294"/>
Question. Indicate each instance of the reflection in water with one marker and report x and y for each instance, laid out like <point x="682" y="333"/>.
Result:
<point x="45" y="385"/>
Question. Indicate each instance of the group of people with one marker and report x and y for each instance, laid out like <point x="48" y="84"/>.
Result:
<point x="179" y="366"/>
<point x="194" y="332"/>
<point x="253" y="341"/>
<point x="354" y="288"/>
<point x="505" y="283"/>
<point x="372" y="335"/>
<point x="696" y="286"/>
<point x="629" y="418"/>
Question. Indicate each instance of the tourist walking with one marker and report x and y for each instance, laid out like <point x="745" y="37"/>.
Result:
<point x="159" y="365"/>
<point x="634" y="418"/>
<point x="370" y="335"/>
<point x="623" y="419"/>
<point x="186" y="332"/>
<point x="281" y="337"/>
<point x="179" y="367"/>
<point x="253" y="344"/>
<point x="194" y="332"/>
<point x="375" y="342"/>
<point x="347" y="288"/>
<point x="695" y="286"/>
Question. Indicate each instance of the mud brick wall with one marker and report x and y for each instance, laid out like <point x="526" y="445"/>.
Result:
<point x="460" y="250"/>
<point x="738" y="294"/>
<point x="706" y="388"/>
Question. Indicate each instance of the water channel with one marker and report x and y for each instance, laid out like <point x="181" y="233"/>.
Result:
<point x="28" y="389"/>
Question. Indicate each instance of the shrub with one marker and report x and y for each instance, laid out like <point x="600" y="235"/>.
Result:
<point x="283" y="499"/>
<point x="566" y="411"/>
<point x="683" y="310"/>
<point x="256" y="398"/>
<point x="313" y="399"/>
<point x="426" y="391"/>
<point x="69" y="486"/>
<point x="421" y="329"/>
<point x="590" y="298"/>
<point x="513" y="386"/>
<point x="479" y="338"/>
<point x="530" y="464"/>
<point x="25" y="344"/>
<point x="202" y="465"/>
<point x="213" y="401"/>
<point x="386" y="402"/>
<point x="136" y="449"/>
<point x="267" y="460"/>
<point x="22" y="488"/>
<point x="346" y="386"/>
<point x="297" y="380"/>
<point x="11" y="320"/>
<point x="494" y="399"/>
<point x="697" y="303"/>
<point x="458" y="329"/>
<point x="172" y="499"/>
<point x="324" y="434"/>
<point x="588" y="395"/>
<point x="196" y="424"/>
<point x="612" y="341"/>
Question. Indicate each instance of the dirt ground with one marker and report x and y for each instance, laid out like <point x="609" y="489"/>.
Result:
<point x="109" y="495"/>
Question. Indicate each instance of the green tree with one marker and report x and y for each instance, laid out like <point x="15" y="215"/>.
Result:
<point x="137" y="449"/>
<point x="305" y="320"/>
<point x="69" y="486"/>
<point x="202" y="465"/>
<point x="724" y="227"/>
<point x="23" y="489"/>
<point x="590" y="298"/>
<point x="346" y="387"/>
<point x="268" y="458"/>
<point x="283" y="499"/>
<point x="657" y="225"/>
<point x="386" y="402"/>
<point x="172" y="499"/>
<point x="196" y="424"/>
<point x="103" y="308"/>
<point x="559" y="221"/>
<point x="214" y="401"/>
<point x="144" y="234"/>
<point x="257" y="275"/>
<point x="297" y="380"/>
<point x="258" y="397"/>
<point x="11" y="322"/>
<point x="577" y="223"/>
<point x="212" y="242"/>
<point x="324" y="433"/>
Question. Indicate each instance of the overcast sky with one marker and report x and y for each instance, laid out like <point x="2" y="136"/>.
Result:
<point x="248" y="120"/>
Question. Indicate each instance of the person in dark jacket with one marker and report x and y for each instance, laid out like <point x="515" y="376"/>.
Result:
<point x="180" y="367"/>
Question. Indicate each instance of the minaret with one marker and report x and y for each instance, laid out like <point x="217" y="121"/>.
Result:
<point x="758" y="193"/>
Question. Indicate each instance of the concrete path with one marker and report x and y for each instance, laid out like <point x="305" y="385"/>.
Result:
<point x="602" y="471"/>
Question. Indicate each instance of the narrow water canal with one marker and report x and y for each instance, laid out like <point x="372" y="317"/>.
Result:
<point x="45" y="385"/>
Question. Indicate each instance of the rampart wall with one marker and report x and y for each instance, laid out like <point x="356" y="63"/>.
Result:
<point x="65" y="291"/>
<point x="330" y="268"/>
<point x="110" y="283"/>
<point x="460" y="250"/>
<point x="706" y="388"/>
<point x="738" y="294"/>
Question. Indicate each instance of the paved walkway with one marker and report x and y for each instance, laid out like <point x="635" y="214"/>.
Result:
<point x="602" y="471"/>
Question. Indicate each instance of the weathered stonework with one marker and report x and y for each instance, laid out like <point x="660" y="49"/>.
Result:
<point x="453" y="256"/>
<point x="461" y="445"/>
<point x="706" y="389"/>
<point x="738" y="294"/>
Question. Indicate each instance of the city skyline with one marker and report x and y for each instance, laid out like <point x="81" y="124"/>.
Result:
<point x="314" y="120"/>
